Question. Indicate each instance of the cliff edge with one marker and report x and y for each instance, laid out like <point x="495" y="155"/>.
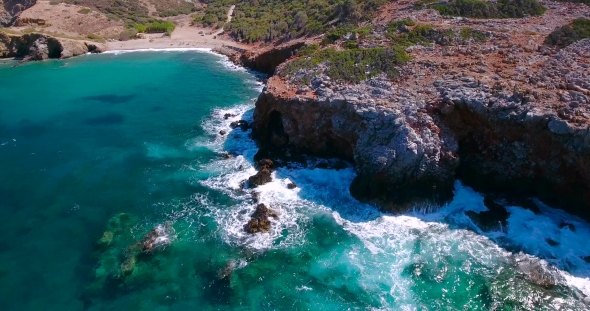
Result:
<point x="501" y="111"/>
<point x="36" y="46"/>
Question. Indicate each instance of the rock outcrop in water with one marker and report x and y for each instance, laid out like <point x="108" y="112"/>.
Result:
<point x="36" y="46"/>
<point x="260" y="221"/>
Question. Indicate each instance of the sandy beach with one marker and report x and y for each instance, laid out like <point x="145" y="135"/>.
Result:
<point x="184" y="36"/>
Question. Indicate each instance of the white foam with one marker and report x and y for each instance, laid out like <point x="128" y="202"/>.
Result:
<point x="385" y="245"/>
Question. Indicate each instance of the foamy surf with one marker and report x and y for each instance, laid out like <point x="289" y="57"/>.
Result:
<point x="436" y="244"/>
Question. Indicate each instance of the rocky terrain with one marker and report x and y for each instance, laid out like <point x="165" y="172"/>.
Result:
<point x="10" y="9"/>
<point x="41" y="47"/>
<point x="505" y="114"/>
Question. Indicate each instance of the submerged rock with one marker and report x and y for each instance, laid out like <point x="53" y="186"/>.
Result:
<point x="242" y="124"/>
<point x="260" y="220"/>
<point x="161" y="235"/>
<point x="538" y="273"/>
<point x="291" y="185"/>
<point x="128" y="266"/>
<point x="228" y="115"/>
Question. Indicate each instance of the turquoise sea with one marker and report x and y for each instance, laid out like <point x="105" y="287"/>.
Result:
<point x="97" y="151"/>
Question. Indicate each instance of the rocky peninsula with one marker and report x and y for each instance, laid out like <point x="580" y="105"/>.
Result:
<point x="506" y="114"/>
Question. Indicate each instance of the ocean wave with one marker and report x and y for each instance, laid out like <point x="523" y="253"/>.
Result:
<point x="386" y="245"/>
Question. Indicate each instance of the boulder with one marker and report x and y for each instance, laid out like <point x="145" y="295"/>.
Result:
<point x="244" y="125"/>
<point x="261" y="178"/>
<point x="538" y="273"/>
<point x="260" y="220"/>
<point x="291" y="185"/>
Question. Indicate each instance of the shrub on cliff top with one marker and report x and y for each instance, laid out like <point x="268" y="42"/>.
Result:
<point x="424" y="34"/>
<point x="484" y="9"/>
<point x="352" y="65"/>
<point x="563" y="36"/>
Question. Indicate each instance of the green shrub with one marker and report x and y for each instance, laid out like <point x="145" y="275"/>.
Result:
<point x="353" y="65"/>
<point x="308" y="50"/>
<point x="472" y="34"/>
<point x="155" y="27"/>
<point x="425" y="34"/>
<point x="84" y="11"/>
<point x="140" y="27"/>
<point x="484" y="9"/>
<point x="272" y="20"/>
<point x="128" y="34"/>
<point x="563" y="36"/>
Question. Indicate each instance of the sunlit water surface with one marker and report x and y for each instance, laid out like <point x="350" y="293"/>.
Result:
<point x="96" y="151"/>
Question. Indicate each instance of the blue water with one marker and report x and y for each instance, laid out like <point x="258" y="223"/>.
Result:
<point x="97" y="151"/>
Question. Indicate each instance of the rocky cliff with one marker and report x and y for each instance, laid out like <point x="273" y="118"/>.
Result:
<point x="402" y="154"/>
<point x="39" y="47"/>
<point x="10" y="9"/>
<point x="453" y="113"/>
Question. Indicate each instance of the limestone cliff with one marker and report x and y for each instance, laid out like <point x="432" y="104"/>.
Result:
<point x="39" y="47"/>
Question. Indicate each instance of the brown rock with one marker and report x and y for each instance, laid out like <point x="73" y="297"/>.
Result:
<point x="260" y="219"/>
<point x="261" y="178"/>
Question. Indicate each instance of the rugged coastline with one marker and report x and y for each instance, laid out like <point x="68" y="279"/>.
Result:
<point x="410" y="144"/>
<point x="30" y="47"/>
<point x="496" y="109"/>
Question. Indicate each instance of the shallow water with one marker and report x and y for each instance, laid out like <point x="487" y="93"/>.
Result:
<point x="97" y="151"/>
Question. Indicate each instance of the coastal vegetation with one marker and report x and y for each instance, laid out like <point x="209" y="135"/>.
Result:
<point x="270" y="20"/>
<point x="133" y="12"/>
<point x="485" y="9"/>
<point x="351" y="65"/>
<point x="563" y="36"/>
<point x="156" y="26"/>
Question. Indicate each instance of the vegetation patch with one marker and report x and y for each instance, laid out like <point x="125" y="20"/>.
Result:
<point x="272" y="20"/>
<point x="155" y="27"/>
<point x="133" y="12"/>
<point x="563" y="36"/>
<point x="84" y="11"/>
<point x="347" y="32"/>
<point x="484" y="9"/>
<point x="351" y="65"/>
<point x="424" y="34"/>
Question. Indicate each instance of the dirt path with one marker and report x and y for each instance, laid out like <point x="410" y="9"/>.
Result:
<point x="230" y="12"/>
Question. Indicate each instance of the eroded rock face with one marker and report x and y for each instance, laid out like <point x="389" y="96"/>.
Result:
<point x="266" y="61"/>
<point x="40" y="47"/>
<point x="401" y="153"/>
<point x="519" y="142"/>
<point x="410" y="138"/>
